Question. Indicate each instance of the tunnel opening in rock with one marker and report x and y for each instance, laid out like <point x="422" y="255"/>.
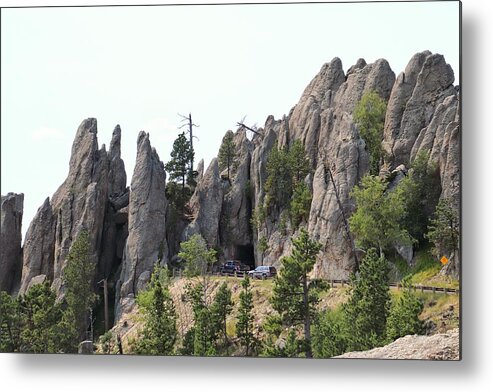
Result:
<point x="245" y="254"/>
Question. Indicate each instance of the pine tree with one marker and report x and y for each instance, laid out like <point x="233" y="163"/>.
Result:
<point x="404" y="314"/>
<point x="227" y="153"/>
<point x="366" y="311"/>
<point x="78" y="279"/>
<point x="178" y="169"/>
<point x="244" y="323"/>
<point x="443" y="230"/>
<point x="300" y="204"/>
<point x="298" y="162"/>
<point x="329" y="334"/>
<point x="221" y="308"/>
<point x="369" y="116"/>
<point x="279" y="183"/>
<point x="10" y="323"/>
<point x="159" y="334"/>
<point x="294" y="296"/>
<point x="41" y="318"/>
<point x="200" y="339"/>
<point x="422" y="189"/>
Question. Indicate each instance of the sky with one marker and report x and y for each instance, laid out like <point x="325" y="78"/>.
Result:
<point x="140" y="67"/>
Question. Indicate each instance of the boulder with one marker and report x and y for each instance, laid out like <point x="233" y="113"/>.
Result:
<point x="12" y="206"/>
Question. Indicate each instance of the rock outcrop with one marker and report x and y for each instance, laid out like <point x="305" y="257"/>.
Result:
<point x="79" y="203"/>
<point x="39" y="247"/>
<point x="12" y="208"/>
<point x="207" y="205"/>
<point x="443" y="346"/>
<point x="146" y="242"/>
<point x="132" y="229"/>
<point x="235" y="229"/>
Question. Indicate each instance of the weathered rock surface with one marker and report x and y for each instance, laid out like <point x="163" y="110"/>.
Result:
<point x="323" y="121"/>
<point x="39" y="247"/>
<point x="115" y="229"/>
<point x="12" y="207"/>
<point x="79" y="203"/>
<point x="146" y="242"/>
<point x="235" y="228"/>
<point x="419" y="95"/>
<point x="207" y="205"/>
<point x="443" y="346"/>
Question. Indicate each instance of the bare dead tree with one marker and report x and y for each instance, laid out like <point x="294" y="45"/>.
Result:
<point x="187" y="122"/>
<point x="253" y="129"/>
<point x="346" y="224"/>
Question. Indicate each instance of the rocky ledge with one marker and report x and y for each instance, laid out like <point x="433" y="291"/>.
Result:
<point x="442" y="346"/>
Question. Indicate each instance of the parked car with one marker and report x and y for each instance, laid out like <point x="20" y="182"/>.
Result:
<point x="232" y="266"/>
<point x="262" y="272"/>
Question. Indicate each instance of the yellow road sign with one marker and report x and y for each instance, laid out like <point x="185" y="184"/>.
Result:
<point x="444" y="260"/>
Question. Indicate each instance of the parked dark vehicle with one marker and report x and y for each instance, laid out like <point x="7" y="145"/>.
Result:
<point x="232" y="266"/>
<point x="262" y="272"/>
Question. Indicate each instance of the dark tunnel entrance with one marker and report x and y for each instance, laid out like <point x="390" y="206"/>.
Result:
<point x="245" y="254"/>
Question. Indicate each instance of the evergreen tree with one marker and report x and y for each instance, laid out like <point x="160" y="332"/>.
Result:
<point x="244" y="323"/>
<point x="178" y="169"/>
<point x="204" y="333"/>
<point x="443" y="230"/>
<point x="404" y="314"/>
<point x="366" y="311"/>
<point x="10" y="323"/>
<point x="78" y="279"/>
<point x="299" y="164"/>
<point x="227" y="153"/>
<point x="369" y="116"/>
<point x="200" y="339"/>
<point x="300" y="204"/>
<point x="221" y="308"/>
<point x="329" y="335"/>
<point x="422" y="190"/>
<point x="156" y="305"/>
<point x="294" y="297"/>
<point x="279" y="183"/>
<point x="41" y="318"/>
<point x="377" y="221"/>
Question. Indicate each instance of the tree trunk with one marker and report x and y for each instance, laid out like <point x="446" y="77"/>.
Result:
<point x="307" y="324"/>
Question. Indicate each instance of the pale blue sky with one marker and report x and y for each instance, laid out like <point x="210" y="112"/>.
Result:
<point x="141" y="66"/>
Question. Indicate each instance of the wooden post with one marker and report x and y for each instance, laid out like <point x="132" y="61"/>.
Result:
<point x="120" y="346"/>
<point x="332" y="283"/>
<point x="106" y="313"/>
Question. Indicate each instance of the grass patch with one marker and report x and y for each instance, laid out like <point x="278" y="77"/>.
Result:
<point x="426" y="272"/>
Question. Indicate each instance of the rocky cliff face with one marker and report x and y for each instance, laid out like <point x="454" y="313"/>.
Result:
<point x="131" y="229"/>
<point x="12" y="206"/>
<point x="146" y="244"/>
<point x="79" y="203"/>
<point x="422" y="114"/>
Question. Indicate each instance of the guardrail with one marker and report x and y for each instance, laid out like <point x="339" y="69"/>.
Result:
<point x="337" y="282"/>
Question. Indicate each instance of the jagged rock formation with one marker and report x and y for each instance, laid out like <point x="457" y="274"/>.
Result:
<point x="132" y="229"/>
<point x="235" y="229"/>
<point x="39" y="247"/>
<point x="80" y="202"/>
<point x="146" y="244"/>
<point x="442" y="346"/>
<point x="10" y="241"/>
<point x="207" y="204"/>
<point x="115" y="227"/>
